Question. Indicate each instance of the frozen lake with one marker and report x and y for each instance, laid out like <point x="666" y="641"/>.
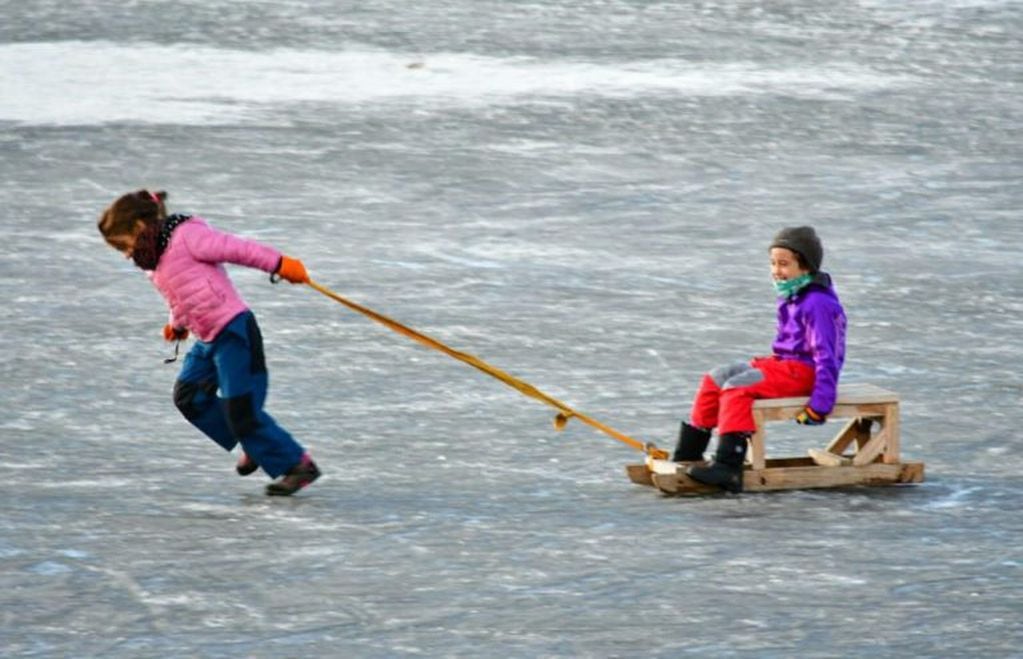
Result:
<point x="581" y="194"/>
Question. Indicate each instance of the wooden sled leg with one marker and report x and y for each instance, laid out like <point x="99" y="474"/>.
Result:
<point x="856" y="429"/>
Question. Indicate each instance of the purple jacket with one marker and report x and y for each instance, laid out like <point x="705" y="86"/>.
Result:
<point x="811" y="329"/>
<point x="191" y="277"/>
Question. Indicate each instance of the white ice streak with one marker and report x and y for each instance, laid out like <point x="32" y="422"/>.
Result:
<point x="957" y="498"/>
<point x="96" y="82"/>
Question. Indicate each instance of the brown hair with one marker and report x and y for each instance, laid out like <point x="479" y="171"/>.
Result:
<point x="122" y="215"/>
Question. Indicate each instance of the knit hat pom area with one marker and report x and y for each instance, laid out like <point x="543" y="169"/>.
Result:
<point x="803" y="240"/>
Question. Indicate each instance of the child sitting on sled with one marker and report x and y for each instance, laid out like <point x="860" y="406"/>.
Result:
<point x="808" y="353"/>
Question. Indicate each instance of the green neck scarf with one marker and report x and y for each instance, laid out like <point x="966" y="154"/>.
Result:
<point x="790" y="287"/>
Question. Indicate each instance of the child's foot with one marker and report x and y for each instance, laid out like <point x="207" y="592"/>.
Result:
<point x="299" y="476"/>
<point x="246" y="465"/>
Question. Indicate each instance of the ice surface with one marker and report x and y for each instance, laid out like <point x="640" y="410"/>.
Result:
<point x="204" y="85"/>
<point x="581" y="194"/>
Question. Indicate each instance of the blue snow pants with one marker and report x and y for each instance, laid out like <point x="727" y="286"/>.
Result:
<point x="221" y="390"/>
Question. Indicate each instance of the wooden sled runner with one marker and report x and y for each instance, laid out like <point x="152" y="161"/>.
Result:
<point x="874" y="457"/>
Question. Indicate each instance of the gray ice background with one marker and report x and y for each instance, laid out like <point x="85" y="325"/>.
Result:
<point x="581" y="193"/>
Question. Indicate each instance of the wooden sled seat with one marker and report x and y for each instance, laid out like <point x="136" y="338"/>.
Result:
<point x="863" y="404"/>
<point x="871" y="433"/>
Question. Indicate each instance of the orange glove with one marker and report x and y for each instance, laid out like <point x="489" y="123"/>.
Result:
<point x="171" y="333"/>
<point x="810" y="417"/>
<point x="292" y="270"/>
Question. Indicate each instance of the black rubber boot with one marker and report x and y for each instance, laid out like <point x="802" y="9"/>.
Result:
<point x="725" y="470"/>
<point x="692" y="442"/>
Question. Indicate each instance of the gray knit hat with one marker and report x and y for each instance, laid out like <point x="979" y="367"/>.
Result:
<point x="803" y="240"/>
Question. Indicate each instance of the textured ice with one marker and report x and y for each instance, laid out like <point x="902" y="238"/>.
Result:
<point x="580" y="193"/>
<point x="198" y="84"/>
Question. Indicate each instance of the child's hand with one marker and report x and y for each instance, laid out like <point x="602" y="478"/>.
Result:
<point x="171" y="333"/>
<point x="810" y="418"/>
<point x="292" y="270"/>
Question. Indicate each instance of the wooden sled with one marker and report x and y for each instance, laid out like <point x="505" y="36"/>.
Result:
<point x="874" y="457"/>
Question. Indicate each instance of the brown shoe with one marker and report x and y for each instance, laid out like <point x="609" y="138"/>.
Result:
<point x="299" y="476"/>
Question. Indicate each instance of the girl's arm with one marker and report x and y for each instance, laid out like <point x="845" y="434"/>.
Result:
<point x="171" y="320"/>
<point x="207" y="244"/>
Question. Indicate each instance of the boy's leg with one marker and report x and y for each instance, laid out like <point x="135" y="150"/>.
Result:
<point x="694" y="436"/>
<point x="764" y="378"/>
<point x="241" y="367"/>
<point x="195" y="396"/>
<point x="774" y="378"/>
<point x="707" y="402"/>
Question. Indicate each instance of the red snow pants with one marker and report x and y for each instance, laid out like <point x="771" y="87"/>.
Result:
<point x="726" y="394"/>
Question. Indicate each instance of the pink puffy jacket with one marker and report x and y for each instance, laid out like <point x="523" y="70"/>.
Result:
<point x="192" y="279"/>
